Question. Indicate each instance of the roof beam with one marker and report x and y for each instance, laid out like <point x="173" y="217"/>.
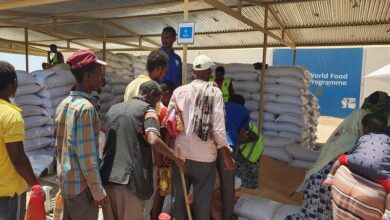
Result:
<point x="132" y="33"/>
<point x="27" y="3"/>
<point x="91" y="20"/>
<point x="33" y="44"/>
<point x="219" y="5"/>
<point x="55" y="31"/>
<point x="279" y="21"/>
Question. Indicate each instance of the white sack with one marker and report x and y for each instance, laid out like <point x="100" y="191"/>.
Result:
<point x="24" y="77"/>
<point x="31" y="110"/>
<point x="307" y="165"/>
<point x="252" y="105"/>
<point x="278" y="89"/>
<point x="266" y="116"/>
<point x="270" y="133"/>
<point x="252" y="207"/>
<point x="58" y="79"/>
<point x="37" y="132"/>
<point x="286" y="71"/>
<point x="239" y="67"/>
<point x="292" y="118"/>
<point x="272" y="141"/>
<point x="55" y="92"/>
<point x="287" y="127"/>
<point x="246" y="86"/>
<point x="279" y="108"/>
<point x="295" y="136"/>
<point x="38" y="143"/>
<point x="300" y="153"/>
<point x="105" y="97"/>
<point x="242" y="76"/>
<point x="296" y="83"/>
<point x="296" y="100"/>
<point x="27" y="100"/>
<point x="52" y="103"/>
<point x="277" y="153"/>
<point x="267" y="97"/>
<point x="27" y="89"/>
<point x="35" y="121"/>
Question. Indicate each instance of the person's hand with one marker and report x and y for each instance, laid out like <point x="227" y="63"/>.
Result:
<point x="180" y="162"/>
<point x="328" y="181"/>
<point x="100" y="203"/>
<point x="229" y="163"/>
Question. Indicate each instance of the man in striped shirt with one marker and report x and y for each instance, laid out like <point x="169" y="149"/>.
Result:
<point x="77" y="138"/>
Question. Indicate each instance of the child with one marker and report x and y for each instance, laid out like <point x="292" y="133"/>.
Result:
<point x="370" y="157"/>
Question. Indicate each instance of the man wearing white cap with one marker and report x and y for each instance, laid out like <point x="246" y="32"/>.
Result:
<point x="203" y="137"/>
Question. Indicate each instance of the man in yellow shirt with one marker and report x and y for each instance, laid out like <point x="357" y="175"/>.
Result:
<point x="16" y="172"/>
<point x="156" y="67"/>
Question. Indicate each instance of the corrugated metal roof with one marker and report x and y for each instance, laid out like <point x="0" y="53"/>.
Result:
<point x="308" y="22"/>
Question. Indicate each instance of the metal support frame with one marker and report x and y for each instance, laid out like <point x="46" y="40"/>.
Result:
<point x="295" y="57"/>
<point x="262" y="81"/>
<point x="26" y="47"/>
<point x="219" y="5"/>
<point x="104" y="40"/>
<point x="184" y="63"/>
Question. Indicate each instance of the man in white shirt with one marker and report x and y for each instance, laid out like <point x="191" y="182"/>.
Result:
<point x="204" y="136"/>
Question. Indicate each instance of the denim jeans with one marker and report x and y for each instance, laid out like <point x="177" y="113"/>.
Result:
<point x="13" y="208"/>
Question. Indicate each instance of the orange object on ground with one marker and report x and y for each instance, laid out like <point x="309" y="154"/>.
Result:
<point x="164" y="216"/>
<point x="36" y="207"/>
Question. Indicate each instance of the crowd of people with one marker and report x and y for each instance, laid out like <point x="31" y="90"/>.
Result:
<point x="200" y="131"/>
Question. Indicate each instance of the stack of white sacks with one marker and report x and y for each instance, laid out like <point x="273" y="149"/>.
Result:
<point x="119" y="73"/>
<point x="38" y="132"/>
<point x="290" y="109"/>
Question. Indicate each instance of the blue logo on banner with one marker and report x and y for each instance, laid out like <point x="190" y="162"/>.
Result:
<point x="185" y="32"/>
<point x="336" y="76"/>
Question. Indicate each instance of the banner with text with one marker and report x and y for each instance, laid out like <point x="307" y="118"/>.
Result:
<point x="336" y="76"/>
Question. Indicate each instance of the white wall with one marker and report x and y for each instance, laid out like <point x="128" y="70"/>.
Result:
<point x="374" y="58"/>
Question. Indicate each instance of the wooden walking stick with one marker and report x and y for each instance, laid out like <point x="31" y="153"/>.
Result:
<point x="184" y="185"/>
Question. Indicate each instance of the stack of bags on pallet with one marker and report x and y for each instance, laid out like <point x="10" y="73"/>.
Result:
<point x="290" y="116"/>
<point x="140" y="65"/>
<point x="119" y="73"/>
<point x="37" y="132"/>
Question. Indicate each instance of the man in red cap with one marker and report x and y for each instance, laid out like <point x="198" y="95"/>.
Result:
<point x="77" y="123"/>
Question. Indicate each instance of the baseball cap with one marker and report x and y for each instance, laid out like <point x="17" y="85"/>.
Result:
<point x="82" y="58"/>
<point x="202" y="62"/>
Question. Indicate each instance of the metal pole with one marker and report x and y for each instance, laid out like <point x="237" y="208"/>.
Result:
<point x="295" y="57"/>
<point x="104" y="40"/>
<point x="184" y="67"/>
<point x="26" y="47"/>
<point x="262" y="81"/>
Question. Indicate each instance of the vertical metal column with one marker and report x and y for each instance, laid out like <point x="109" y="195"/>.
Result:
<point x="26" y="47"/>
<point x="184" y="67"/>
<point x="104" y="40"/>
<point x="295" y="57"/>
<point x="262" y="82"/>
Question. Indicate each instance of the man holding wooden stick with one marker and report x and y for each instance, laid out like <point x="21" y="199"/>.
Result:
<point x="204" y="136"/>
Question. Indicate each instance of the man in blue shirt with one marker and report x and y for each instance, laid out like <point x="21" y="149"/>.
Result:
<point x="237" y="128"/>
<point x="174" y="73"/>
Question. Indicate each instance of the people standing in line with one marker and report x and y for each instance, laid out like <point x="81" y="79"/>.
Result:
<point x="16" y="173"/>
<point x="204" y="136"/>
<point x="156" y="67"/>
<point x="174" y="73"/>
<point x="127" y="171"/>
<point x="77" y="138"/>
<point x="224" y="84"/>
